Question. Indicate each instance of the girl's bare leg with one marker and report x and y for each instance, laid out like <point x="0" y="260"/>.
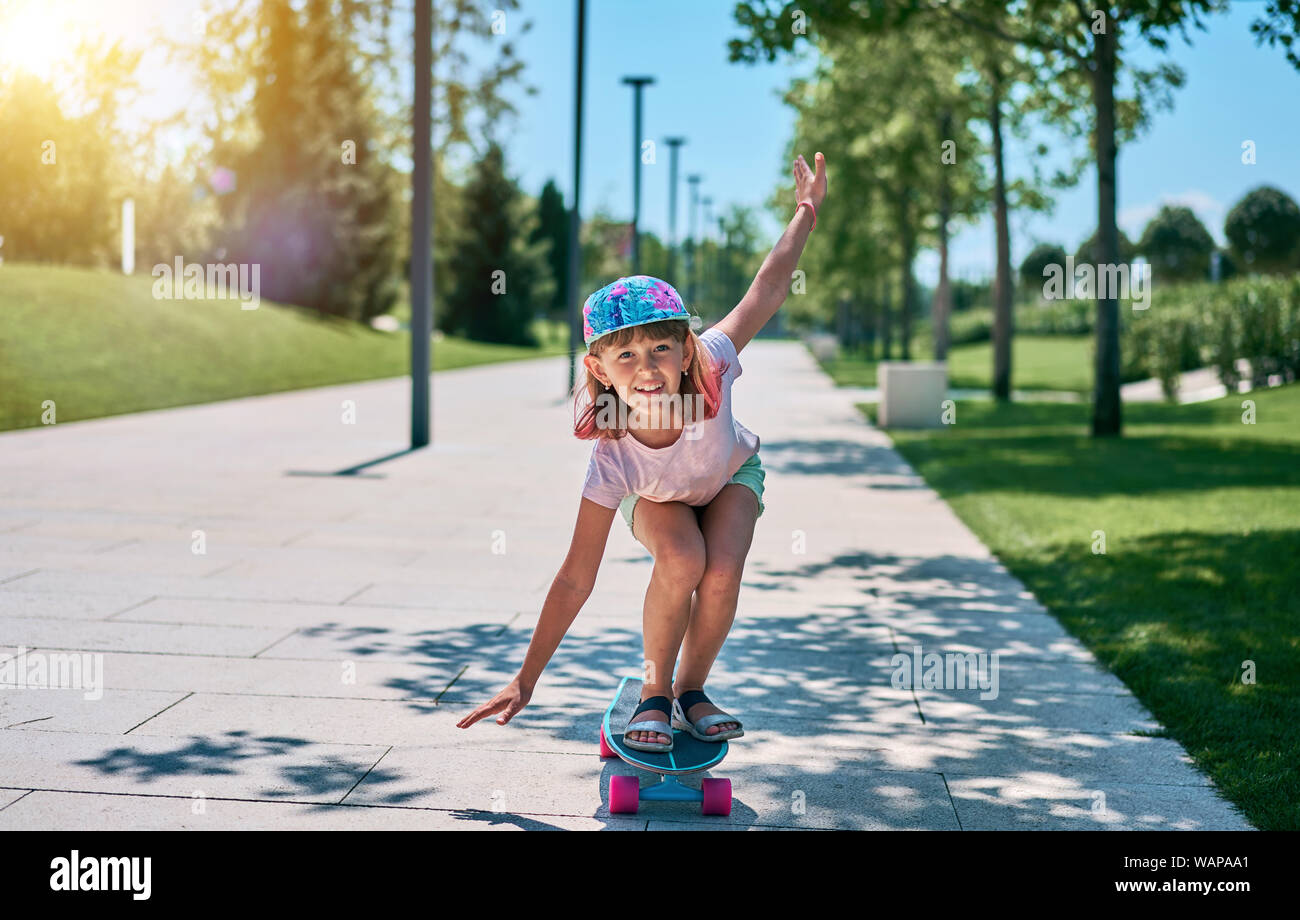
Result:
<point x="671" y="532"/>
<point x="727" y="525"/>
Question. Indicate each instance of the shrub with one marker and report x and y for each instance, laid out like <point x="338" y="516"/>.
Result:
<point x="1259" y="320"/>
<point x="974" y="325"/>
<point x="1177" y="245"/>
<point x="1186" y="326"/>
<point x="1085" y="251"/>
<point x="1264" y="230"/>
<point x="1041" y="256"/>
<point x="1171" y="349"/>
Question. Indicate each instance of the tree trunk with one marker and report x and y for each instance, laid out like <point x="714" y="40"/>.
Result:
<point x="1002" y="282"/>
<point x="872" y="300"/>
<point x="941" y="307"/>
<point x="855" y="310"/>
<point x="1106" y="418"/>
<point x="886" y="323"/>
<point x="907" y="236"/>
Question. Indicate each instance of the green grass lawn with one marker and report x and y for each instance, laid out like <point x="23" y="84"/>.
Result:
<point x="97" y="343"/>
<point x="1038" y="362"/>
<point x="1201" y="515"/>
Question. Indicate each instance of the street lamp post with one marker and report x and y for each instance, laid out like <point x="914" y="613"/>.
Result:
<point x="421" y="225"/>
<point x="575" y="247"/>
<point x="674" y="143"/>
<point x="637" y="83"/>
<point x="694" y="181"/>
<point x="711" y="270"/>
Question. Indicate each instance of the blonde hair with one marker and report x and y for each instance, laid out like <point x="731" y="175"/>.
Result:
<point x="703" y="376"/>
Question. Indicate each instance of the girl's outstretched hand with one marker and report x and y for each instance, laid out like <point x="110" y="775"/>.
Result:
<point x="809" y="185"/>
<point x="509" y="701"/>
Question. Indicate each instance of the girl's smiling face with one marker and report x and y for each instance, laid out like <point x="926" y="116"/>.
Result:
<point x="643" y="370"/>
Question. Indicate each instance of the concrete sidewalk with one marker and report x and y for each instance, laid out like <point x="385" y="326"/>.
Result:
<point x="307" y="670"/>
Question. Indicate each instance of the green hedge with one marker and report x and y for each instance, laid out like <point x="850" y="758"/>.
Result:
<point x="1192" y="326"/>
<point x="1185" y="326"/>
<point x="1038" y="317"/>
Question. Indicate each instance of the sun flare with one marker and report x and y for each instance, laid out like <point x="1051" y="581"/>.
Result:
<point x="37" y="35"/>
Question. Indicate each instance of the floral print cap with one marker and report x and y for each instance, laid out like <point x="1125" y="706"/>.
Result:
<point x="632" y="301"/>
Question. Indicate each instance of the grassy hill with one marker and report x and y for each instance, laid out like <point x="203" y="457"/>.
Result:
<point x="97" y="343"/>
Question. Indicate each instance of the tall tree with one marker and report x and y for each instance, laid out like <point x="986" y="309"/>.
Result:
<point x="65" y="159"/>
<point x="314" y="203"/>
<point x="504" y="273"/>
<point x="1002" y="293"/>
<point x="337" y="66"/>
<point x="553" y="225"/>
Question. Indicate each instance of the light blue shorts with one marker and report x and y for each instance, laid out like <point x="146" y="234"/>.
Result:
<point x="751" y="473"/>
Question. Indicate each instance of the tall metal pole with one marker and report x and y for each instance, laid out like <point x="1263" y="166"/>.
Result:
<point x="637" y="83"/>
<point x="673" y="143"/>
<point x="724" y="264"/>
<point x="421" y="225"/>
<point x="575" y="251"/>
<point x="694" y="181"/>
<point x="710" y="280"/>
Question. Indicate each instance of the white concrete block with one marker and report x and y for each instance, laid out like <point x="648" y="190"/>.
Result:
<point x="912" y="393"/>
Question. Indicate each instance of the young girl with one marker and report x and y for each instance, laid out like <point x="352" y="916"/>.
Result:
<point x="683" y="472"/>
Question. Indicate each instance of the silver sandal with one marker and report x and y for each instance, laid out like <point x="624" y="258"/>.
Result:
<point x="650" y="725"/>
<point x="700" y="729"/>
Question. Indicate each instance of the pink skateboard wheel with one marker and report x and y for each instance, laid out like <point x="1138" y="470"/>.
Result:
<point x="605" y="749"/>
<point x="625" y="795"/>
<point x="717" y="796"/>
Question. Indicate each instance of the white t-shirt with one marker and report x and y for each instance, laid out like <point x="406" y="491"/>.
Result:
<point x="692" y="469"/>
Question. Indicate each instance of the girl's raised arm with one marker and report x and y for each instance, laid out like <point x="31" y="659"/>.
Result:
<point x="772" y="283"/>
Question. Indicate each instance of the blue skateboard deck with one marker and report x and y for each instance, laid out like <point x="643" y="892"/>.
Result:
<point x="689" y="754"/>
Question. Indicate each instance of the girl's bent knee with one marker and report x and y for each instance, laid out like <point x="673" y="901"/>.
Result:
<point x="721" y="579"/>
<point x="683" y="567"/>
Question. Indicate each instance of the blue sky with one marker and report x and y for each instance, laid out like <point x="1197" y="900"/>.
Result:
<point x="737" y="126"/>
<point x="731" y="115"/>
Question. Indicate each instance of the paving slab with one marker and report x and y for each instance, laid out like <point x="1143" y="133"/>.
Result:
<point x="1101" y="712"/>
<point x="308" y="589"/>
<point x="162" y="562"/>
<point x="8" y="797"/>
<point x="67" y="605"/>
<point x="110" y="635"/>
<point x="1026" y="803"/>
<point x="88" y="811"/>
<point x="343" y="678"/>
<point x="220" y="612"/>
<point x="229" y="764"/>
<point x="96" y="710"/>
